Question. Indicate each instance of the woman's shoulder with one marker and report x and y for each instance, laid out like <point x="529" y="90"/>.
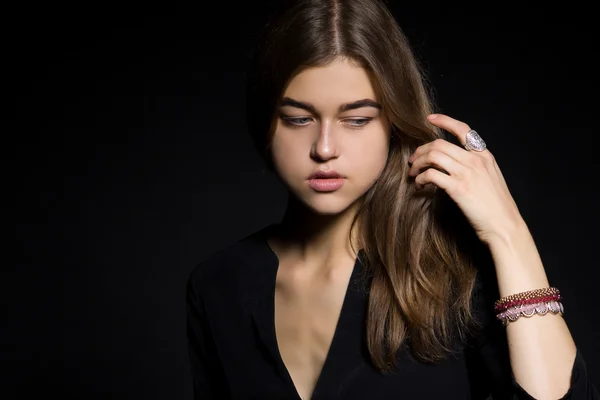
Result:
<point x="240" y="261"/>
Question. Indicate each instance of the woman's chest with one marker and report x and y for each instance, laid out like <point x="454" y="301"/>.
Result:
<point x="306" y="316"/>
<point x="247" y="344"/>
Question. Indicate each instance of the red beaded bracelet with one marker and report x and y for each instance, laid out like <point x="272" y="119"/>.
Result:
<point x="538" y="301"/>
<point x="515" y="303"/>
<point x="526" y="296"/>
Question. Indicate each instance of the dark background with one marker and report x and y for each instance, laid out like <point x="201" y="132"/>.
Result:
<point x="130" y="163"/>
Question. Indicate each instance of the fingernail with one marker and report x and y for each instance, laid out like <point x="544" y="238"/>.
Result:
<point x="432" y="116"/>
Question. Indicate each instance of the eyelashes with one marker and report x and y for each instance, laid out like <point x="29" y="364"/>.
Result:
<point x="304" y="121"/>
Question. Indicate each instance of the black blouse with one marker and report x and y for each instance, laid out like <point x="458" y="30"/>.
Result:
<point x="234" y="353"/>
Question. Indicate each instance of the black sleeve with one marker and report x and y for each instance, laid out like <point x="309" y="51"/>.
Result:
<point x="207" y="374"/>
<point x="489" y="363"/>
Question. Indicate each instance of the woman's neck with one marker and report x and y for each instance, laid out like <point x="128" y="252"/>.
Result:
<point x="315" y="238"/>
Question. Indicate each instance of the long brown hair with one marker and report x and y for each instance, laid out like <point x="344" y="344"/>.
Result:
<point x="422" y="282"/>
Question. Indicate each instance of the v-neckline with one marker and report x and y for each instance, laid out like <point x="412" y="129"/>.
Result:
<point x="336" y="333"/>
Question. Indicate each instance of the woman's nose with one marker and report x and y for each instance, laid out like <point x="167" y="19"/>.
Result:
<point x="325" y="146"/>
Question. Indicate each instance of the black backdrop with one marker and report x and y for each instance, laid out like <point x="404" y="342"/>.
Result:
<point x="130" y="163"/>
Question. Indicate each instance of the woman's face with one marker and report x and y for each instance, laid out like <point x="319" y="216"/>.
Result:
<point x="330" y="121"/>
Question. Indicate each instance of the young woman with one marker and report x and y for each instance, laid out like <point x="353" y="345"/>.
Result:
<point x="371" y="287"/>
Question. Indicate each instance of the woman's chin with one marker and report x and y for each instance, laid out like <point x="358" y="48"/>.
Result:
<point x="328" y="206"/>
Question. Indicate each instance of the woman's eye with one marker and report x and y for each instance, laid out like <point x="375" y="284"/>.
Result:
<point x="298" y="121"/>
<point x="358" y="122"/>
<point x="302" y="121"/>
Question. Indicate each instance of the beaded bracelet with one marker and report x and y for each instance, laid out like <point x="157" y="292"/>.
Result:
<point x="526" y="297"/>
<point x="528" y="310"/>
<point x="543" y="299"/>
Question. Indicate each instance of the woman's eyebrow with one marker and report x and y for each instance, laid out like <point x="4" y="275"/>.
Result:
<point x="288" y="101"/>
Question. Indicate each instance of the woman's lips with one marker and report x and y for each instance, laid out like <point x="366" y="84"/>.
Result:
<point x="325" y="184"/>
<point x="325" y="181"/>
